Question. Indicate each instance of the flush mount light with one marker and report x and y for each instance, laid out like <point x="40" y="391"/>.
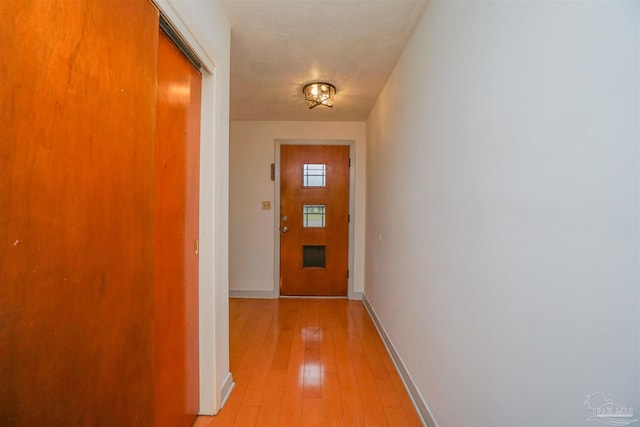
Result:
<point x="319" y="93"/>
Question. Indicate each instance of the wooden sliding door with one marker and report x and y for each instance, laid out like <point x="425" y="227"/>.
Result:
<point x="99" y="172"/>
<point x="176" y="263"/>
<point x="76" y="211"/>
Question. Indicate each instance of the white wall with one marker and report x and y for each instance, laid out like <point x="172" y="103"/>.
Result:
<point x="251" y="229"/>
<point x="503" y="171"/>
<point x="205" y="27"/>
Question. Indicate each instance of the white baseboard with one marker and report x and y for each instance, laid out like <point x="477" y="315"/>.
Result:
<point x="251" y="294"/>
<point x="412" y="389"/>
<point x="269" y="295"/>
<point x="356" y="296"/>
<point x="225" y="390"/>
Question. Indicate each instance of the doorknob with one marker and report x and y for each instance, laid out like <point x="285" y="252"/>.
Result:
<point x="284" y="229"/>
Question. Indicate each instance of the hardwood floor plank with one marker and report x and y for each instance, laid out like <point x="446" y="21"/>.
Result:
<point x="227" y="416"/>
<point x="331" y="401"/>
<point x="311" y="412"/>
<point x="203" y="421"/>
<point x="271" y="406"/>
<point x="375" y="414"/>
<point x="310" y="362"/>
<point x="291" y="409"/>
<point x="247" y="416"/>
<point x="353" y="410"/>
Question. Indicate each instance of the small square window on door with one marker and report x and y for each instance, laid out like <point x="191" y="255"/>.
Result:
<point x="313" y="216"/>
<point x="313" y="256"/>
<point x="314" y="175"/>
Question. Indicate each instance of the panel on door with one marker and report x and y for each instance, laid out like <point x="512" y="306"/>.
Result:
<point x="314" y="220"/>
<point x="176" y="236"/>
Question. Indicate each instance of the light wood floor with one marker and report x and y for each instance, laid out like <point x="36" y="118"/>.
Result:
<point x="310" y="362"/>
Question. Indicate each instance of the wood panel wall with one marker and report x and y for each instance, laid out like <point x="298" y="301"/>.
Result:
<point x="77" y="182"/>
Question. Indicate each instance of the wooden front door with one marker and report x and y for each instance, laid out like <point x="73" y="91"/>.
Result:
<point x="314" y="220"/>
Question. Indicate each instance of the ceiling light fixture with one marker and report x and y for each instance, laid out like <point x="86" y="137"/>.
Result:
<point x="319" y="93"/>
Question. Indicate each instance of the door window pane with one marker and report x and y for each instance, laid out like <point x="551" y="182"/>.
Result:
<point x="313" y="216"/>
<point x="313" y="256"/>
<point x="314" y="175"/>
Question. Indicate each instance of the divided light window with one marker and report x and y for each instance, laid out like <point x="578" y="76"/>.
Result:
<point x="314" y="175"/>
<point x="313" y="216"/>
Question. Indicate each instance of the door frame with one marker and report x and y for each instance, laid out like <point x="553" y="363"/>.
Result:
<point x="352" y="207"/>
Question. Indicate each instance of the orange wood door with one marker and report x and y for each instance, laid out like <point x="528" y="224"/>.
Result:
<point x="77" y="113"/>
<point x="314" y="214"/>
<point x="176" y="234"/>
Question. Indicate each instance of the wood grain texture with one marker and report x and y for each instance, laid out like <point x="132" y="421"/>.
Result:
<point x="176" y="230"/>
<point x="294" y="278"/>
<point x="310" y="362"/>
<point x="76" y="212"/>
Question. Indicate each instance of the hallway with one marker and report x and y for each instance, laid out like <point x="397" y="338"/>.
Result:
<point x="310" y="362"/>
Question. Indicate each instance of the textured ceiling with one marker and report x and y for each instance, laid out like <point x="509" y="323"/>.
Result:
<point x="279" y="45"/>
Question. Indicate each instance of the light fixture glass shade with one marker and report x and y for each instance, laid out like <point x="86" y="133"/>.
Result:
<point x="319" y="93"/>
